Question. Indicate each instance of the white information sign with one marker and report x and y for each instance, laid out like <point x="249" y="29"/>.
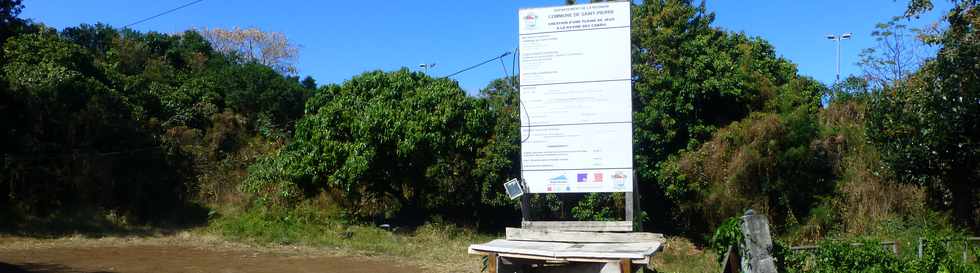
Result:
<point x="576" y="89"/>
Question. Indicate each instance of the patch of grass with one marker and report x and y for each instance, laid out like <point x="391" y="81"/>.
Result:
<point x="681" y="256"/>
<point x="907" y="230"/>
<point x="436" y="246"/>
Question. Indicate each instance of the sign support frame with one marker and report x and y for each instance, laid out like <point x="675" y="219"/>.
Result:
<point x="586" y="18"/>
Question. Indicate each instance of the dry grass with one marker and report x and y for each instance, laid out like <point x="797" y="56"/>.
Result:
<point x="435" y="247"/>
<point x="681" y="256"/>
<point x="867" y="193"/>
<point x="868" y="199"/>
<point x="725" y="169"/>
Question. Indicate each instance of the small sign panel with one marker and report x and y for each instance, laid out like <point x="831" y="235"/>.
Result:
<point x="576" y="88"/>
<point x="513" y="188"/>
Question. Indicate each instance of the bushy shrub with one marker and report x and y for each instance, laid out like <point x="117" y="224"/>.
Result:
<point x="767" y="161"/>
<point x="389" y="143"/>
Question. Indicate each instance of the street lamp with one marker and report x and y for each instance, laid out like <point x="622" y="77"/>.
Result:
<point x="845" y="36"/>
<point x="425" y="67"/>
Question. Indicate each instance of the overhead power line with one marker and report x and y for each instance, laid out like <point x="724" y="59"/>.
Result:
<point x="510" y="79"/>
<point x="479" y="64"/>
<point x="163" y="13"/>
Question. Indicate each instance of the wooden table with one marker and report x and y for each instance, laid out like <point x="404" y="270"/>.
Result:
<point x="506" y="256"/>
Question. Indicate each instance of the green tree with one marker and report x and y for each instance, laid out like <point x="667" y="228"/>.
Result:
<point x="98" y="38"/>
<point x="9" y="9"/>
<point x="259" y="90"/>
<point x="499" y="159"/>
<point x="850" y="87"/>
<point x="99" y="118"/>
<point x="690" y="80"/>
<point x="9" y="23"/>
<point x="926" y="125"/>
<point x="388" y="144"/>
<point x="73" y="141"/>
<point x="309" y="83"/>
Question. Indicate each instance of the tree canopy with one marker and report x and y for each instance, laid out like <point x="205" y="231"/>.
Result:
<point x="926" y="124"/>
<point x="94" y="116"/>
<point x="399" y="143"/>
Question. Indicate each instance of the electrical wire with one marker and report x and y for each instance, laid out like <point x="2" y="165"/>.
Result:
<point x="521" y="103"/>
<point x="511" y="80"/>
<point x="163" y="13"/>
<point x="513" y="62"/>
<point x="478" y="65"/>
<point x="504" y="66"/>
<point x="510" y="83"/>
<point x="508" y="80"/>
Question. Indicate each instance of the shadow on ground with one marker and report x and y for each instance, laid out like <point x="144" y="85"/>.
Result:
<point x="40" y="268"/>
<point x="98" y="223"/>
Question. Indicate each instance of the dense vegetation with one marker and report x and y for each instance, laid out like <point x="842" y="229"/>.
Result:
<point x="96" y="118"/>
<point x="188" y="128"/>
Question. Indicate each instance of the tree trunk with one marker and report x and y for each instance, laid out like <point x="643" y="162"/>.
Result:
<point x="964" y="197"/>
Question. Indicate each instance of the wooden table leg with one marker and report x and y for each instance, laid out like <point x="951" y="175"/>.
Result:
<point x="492" y="263"/>
<point x="625" y="266"/>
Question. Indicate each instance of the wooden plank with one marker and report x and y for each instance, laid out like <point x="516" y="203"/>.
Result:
<point x="587" y="260"/>
<point x="572" y="250"/>
<point x="569" y="259"/>
<point x="520" y="234"/>
<point x="549" y="259"/>
<point x="533" y="257"/>
<point x="731" y="261"/>
<point x="601" y="226"/>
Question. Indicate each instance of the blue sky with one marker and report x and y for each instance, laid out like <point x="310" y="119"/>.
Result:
<point x="340" y="39"/>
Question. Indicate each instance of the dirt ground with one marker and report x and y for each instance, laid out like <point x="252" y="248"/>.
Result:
<point x="182" y="253"/>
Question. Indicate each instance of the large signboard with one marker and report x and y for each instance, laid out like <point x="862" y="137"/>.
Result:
<point x="576" y="89"/>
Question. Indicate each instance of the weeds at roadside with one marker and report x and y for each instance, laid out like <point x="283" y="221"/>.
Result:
<point x="437" y="246"/>
<point x="680" y="255"/>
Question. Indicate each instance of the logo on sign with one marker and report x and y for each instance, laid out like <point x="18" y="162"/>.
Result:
<point x="620" y="179"/>
<point x="558" y="179"/>
<point x="582" y="177"/>
<point x="597" y="177"/>
<point x="530" y="20"/>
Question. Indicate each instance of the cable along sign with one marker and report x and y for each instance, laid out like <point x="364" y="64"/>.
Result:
<point x="576" y="89"/>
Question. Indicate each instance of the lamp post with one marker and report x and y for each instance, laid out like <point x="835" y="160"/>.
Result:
<point x="845" y="36"/>
<point x="425" y="67"/>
